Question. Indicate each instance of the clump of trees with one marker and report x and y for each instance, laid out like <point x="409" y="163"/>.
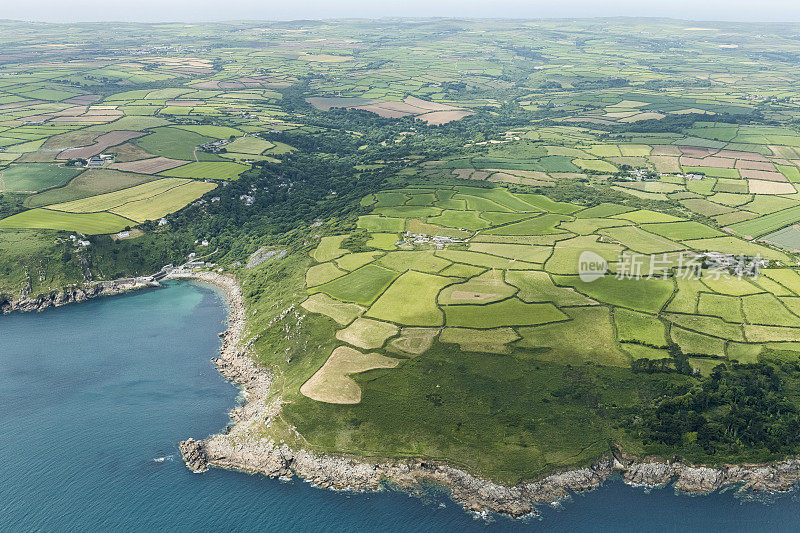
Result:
<point x="740" y="411"/>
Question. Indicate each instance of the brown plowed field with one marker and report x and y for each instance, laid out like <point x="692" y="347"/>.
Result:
<point x="149" y="166"/>
<point x="750" y="156"/>
<point x="755" y="165"/>
<point x="443" y="117"/>
<point x="112" y="138"/>
<point x="762" y="175"/>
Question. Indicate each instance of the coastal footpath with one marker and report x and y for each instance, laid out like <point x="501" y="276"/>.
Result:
<point x="244" y="447"/>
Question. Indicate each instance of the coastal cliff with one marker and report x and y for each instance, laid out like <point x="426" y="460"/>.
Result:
<point x="9" y="304"/>
<point x="243" y="447"/>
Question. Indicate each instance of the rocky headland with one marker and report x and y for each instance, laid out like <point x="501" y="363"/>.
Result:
<point x="243" y="447"/>
<point x="79" y="293"/>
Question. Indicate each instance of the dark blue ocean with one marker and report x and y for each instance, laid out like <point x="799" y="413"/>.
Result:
<point x="94" y="399"/>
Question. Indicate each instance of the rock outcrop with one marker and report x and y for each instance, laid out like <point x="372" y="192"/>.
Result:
<point x="264" y="254"/>
<point x="194" y="455"/>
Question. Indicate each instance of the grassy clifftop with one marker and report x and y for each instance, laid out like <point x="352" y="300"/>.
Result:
<point x="35" y="262"/>
<point x="503" y="360"/>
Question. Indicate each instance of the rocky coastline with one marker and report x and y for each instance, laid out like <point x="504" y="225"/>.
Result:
<point x="242" y="447"/>
<point x="76" y="294"/>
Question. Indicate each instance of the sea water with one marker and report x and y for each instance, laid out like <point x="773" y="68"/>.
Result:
<point x="95" y="397"/>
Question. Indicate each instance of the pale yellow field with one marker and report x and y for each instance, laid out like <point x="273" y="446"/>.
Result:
<point x="341" y="312"/>
<point x="105" y="202"/>
<point x="483" y="340"/>
<point x="367" y="333"/>
<point x="665" y="163"/>
<point x="324" y="58"/>
<point x="332" y="384"/>
<point x="414" y="341"/>
<point x="770" y="187"/>
<point x="643" y="116"/>
<point x="165" y="203"/>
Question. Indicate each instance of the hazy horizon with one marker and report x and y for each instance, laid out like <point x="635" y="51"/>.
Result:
<point x="208" y="11"/>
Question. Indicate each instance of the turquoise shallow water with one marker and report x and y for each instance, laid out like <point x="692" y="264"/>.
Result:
<point x="95" y="397"/>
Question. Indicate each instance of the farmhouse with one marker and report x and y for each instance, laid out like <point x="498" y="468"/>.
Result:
<point x="214" y="147"/>
<point x="446" y="240"/>
<point x="638" y="174"/>
<point x="422" y="238"/>
<point x="737" y="265"/>
<point x="98" y="160"/>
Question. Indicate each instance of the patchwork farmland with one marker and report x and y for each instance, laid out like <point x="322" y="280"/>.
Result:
<point x="406" y="205"/>
<point x="511" y="283"/>
<point x="65" y="146"/>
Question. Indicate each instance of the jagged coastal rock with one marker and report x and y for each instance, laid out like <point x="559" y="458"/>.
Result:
<point x="69" y="295"/>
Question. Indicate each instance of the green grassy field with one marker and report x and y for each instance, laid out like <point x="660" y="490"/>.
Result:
<point x="104" y="202"/>
<point x="480" y="340"/>
<point x="322" y="273"/>
<point x="207" y="170"/>
<point x="411" y="300"/>
<point x="35" y="177"/>
<point x="161" y="204"/>
<point x="484" y="288"/>
<point x="419" y="260"/>
<point x="647" y="295"/>
<point x="633" y="326"/>
<point x="542" y="225"/>
<point x="356" y="260"/>
<point x="468" y="220"/>
<point x="767" y="223"/>
<point x="565" y="342"/>
<point x="641" y="241"/>
<point x="378" y="223"/>
<point x="89" y="183"/>
<point x="511" y="312"/>
<point x="249" y="145"/>
<point x="173" y="143"/>
<point x="383" y="241"/>
<point x="88" y="223"/>
<point x="682" y="230"/>
<point x="329" y="248"/>
<point x="218" y="132"/>
<point x="362" y="286"/>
